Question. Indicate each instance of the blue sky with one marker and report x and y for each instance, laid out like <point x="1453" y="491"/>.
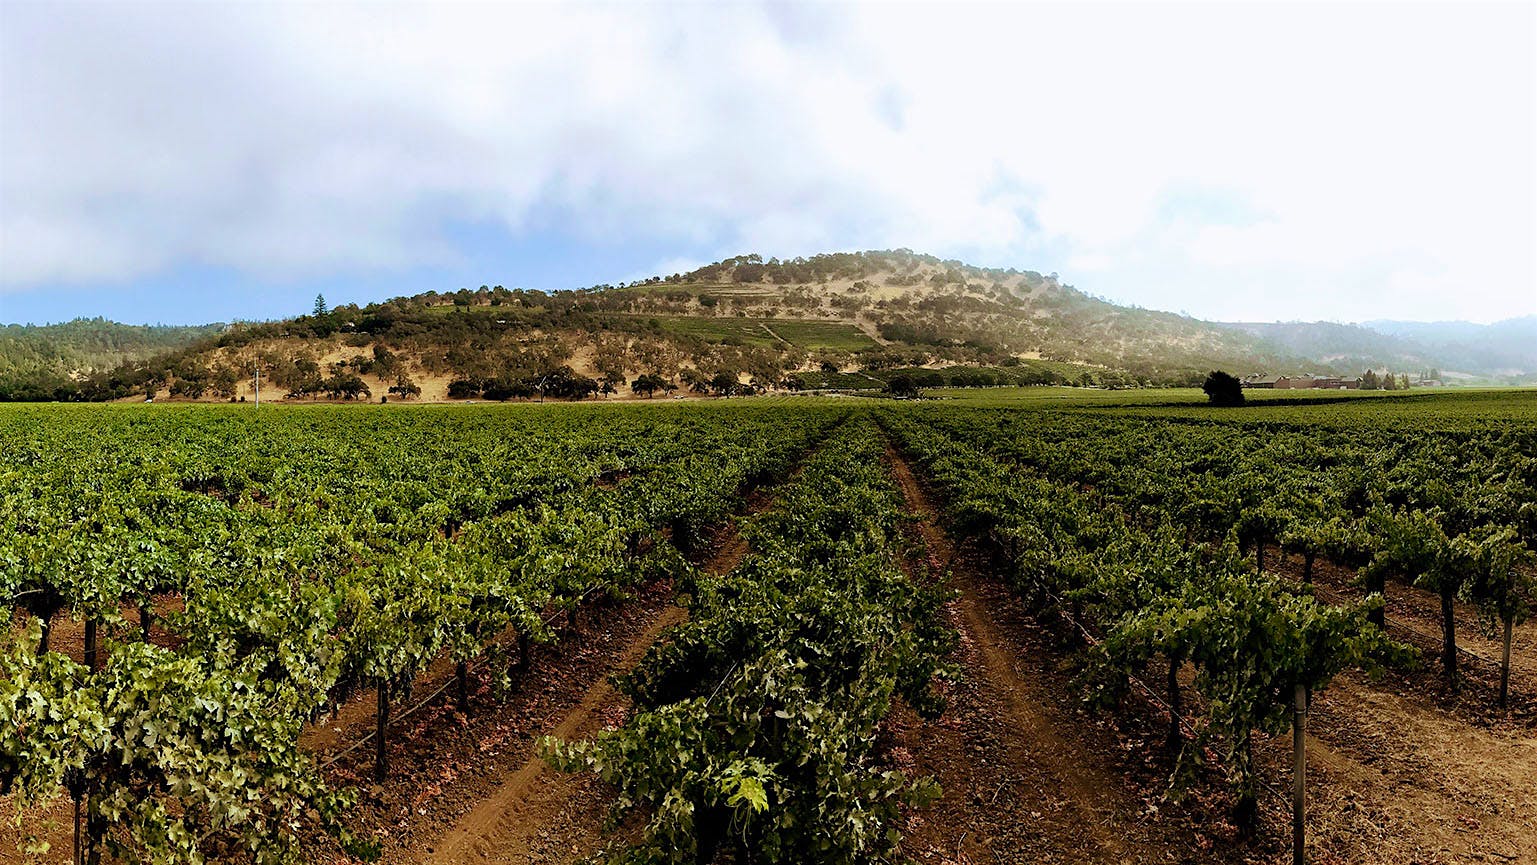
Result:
<point x="1245" y="161"/>
<point x="486" y="254"/>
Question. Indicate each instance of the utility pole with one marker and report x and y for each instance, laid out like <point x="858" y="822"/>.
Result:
<point x="257" y="386"/>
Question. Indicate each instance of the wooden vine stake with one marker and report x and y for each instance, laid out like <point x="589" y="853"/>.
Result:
<point x="90" y="644"/>
<point x="79" y="843"/>
<point x="382" y="717"/>
<point x="1299" y="770"/>
<point x="1505" y="664"/>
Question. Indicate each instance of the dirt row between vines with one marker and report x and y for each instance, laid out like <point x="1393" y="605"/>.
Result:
<point x="66" y="635"/>
<point x="537" y="814"/>
<point x="1030" y="775"/>
<point x="465" y="789"/>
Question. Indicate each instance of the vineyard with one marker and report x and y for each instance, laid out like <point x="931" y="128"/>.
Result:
<point x="771" y="630"/>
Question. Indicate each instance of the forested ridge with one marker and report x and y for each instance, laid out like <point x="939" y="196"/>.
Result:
<point x="36" y="361"/>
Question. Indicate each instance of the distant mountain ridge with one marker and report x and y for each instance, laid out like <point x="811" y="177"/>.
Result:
<point x="1504" y="347"/>
<point x="838" y="319"/>
<point x="1493" y="352"/>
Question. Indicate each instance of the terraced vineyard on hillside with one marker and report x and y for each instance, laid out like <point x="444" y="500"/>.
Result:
<point x="839" y="630"/>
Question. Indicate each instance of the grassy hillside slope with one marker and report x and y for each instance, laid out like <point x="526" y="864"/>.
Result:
<point x="838" y="320"/>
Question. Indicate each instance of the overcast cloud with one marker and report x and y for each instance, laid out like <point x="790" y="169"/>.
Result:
<point x="1239" y="161"/>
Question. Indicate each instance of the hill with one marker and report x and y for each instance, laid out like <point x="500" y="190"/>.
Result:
<point x="43" y="361"/>
<point x="841" y="319"/>
<point x="1501" y="353"/>
<point x="1504" y="348"/>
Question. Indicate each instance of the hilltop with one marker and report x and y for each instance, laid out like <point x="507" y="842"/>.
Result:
<point x="842" y="319"/>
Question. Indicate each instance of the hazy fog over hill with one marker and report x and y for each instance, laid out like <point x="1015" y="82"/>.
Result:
<point x="1505" y="348"/>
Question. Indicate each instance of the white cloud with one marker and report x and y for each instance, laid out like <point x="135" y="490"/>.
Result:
<point x="1382" y="155"/>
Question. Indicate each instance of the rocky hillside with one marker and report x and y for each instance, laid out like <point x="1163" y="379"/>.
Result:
<point x="844" y="319"/>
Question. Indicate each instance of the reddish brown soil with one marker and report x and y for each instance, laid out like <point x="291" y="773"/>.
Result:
<point x="444" y="764"/>
<point x="537" y="814"/>
<point x="1029" y="775"/>
<point x="67" y="635"/>
<point x="327" y="736"/>
<point x="529" y="812"/>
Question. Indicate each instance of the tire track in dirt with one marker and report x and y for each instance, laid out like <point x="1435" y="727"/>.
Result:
<point x="541" y="815"/>
<point x="505" y="825"/>
<point x="1018" y="786"/>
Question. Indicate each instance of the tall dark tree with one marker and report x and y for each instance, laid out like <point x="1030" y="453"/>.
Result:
<point x="648" y="384"/>
<point x="724" y="383"/>
<point x="902" y="386"/>
<point x="320" y="305"/>
<point x="1223" y="389"/>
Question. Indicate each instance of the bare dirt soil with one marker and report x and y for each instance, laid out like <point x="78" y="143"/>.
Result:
<point x="66" y="635"/>
<point x="1030" y="775"/>
<point x="537" y="814"/>
<point x="1394" y="778"/>
<point x="444" y="764"/>
<point x="530" y="815"/>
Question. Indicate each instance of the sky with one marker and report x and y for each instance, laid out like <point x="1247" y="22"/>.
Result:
<point x="185" y="163"/>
